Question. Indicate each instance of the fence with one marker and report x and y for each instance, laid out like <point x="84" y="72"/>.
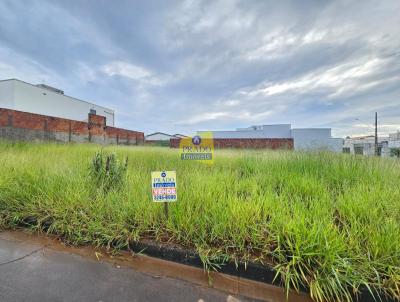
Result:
<point x="18" y="125"/>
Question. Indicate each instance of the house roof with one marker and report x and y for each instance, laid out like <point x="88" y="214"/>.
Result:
<point x="155" y="133"/>
<point x="180" y="135"/>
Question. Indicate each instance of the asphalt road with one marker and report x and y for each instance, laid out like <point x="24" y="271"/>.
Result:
<point x="31" y="272"/>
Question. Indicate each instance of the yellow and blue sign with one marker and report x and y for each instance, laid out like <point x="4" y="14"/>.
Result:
<point x="163" y="185"/>
<point x="199" y="148"/>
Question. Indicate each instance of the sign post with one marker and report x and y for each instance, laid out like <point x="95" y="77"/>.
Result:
<point x="163" y="185"/>
<point x="166" y="210"/>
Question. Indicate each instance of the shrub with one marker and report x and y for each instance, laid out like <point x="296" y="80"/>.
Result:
<point x="107" y="171"/>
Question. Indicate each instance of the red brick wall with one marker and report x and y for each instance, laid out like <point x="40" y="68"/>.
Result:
<point x="25" y="120"/>
<point x="246" y="143"/>
<point x="28" y="121"/>
<point x="95" y="127"/>
<point x="125" y="134"/>
<point x="174" y="142"/>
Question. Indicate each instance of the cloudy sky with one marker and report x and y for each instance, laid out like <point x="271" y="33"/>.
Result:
<point x="211" y="65"/>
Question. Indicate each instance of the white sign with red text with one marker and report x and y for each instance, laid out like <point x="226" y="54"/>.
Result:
<point x="163" y="185"/>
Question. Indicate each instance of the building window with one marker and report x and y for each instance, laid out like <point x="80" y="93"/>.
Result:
<point x="395" y="152"/>
<point x="92" y="111"/>
<point x="346" y="150"/>
<point x="358" y="150"/>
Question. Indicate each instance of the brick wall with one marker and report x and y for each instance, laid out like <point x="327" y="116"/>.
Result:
<point x="246" y="143"/>
<point x="18" y="125"/>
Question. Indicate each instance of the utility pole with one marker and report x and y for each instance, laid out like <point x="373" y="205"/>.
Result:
<point x="376" y="133"/>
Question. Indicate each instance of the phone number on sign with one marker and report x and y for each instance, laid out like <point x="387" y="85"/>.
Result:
<point x="165" y="197"/>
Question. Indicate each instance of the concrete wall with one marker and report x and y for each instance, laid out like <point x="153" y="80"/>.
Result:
<point x="311" y="133"/>
<point x="18" y="125"/>
<point x="394" y="136"/>
<point x="21" y="96"/>
<point x="306" y="139"/>
<point x="367" y="144"/>
<point x="271" y="131"/>
<point x="7" y="94"/>
<point x="369" y="149"/>
<point x="394" y="144"/>
<point x="385" y="150"/>
<point x="309" y="144"/>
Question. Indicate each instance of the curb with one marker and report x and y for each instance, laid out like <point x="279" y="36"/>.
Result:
<point x="252" y="271"/>
<point x="158" y="267"/>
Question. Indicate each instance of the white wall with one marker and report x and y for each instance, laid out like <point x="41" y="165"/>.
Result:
<point x="368" y="145"/>
<point x="316" y="139"/>
<point x="394" y="144"/>
<point x="33" y="99"/>
<point x="394" y="136"/>
<point x="7" y="94"/>
<point x="328" y="144"/>
<point x="311" y="133"/>
<point x="277" y="131"/>
<point x="268" y="131"/>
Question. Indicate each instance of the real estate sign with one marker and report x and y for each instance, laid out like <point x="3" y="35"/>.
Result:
<point x="163" y="185"/>
<point x="198" y="147"/>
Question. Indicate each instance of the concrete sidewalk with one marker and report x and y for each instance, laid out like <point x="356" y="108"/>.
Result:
<point x="30" y="271"/>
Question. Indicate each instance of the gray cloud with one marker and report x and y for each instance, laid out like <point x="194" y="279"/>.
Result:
<point x="191" y="65"/>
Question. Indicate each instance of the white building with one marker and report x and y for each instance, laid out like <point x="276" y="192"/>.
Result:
<point x="158" y="136"/>
<point x="303" y="138"/>
<point x="178" y="135"/>
<point x="365" y="145"/>
<point x="46" y="100"/>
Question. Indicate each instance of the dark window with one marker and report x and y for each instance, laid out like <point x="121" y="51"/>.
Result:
<point x="358" y="150"/>
<point x="395" y="152"/>
<point x="92" y="111"/>
<point x="346" y="150"/>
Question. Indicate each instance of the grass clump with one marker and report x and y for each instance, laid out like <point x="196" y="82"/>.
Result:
<point x="107" y="172"/>
<point x="327" y="222"/>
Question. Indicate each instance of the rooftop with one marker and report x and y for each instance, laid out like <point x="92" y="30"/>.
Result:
<point x="55" y="91"/>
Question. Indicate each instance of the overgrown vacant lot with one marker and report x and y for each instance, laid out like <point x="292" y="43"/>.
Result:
<point x="330" y="222"/>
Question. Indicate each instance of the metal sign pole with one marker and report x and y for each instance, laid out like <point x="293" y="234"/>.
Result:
<point x="166" y="210"/>
<point x="376" y="134"/>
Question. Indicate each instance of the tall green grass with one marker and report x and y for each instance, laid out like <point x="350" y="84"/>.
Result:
<point x="325" y="221"/>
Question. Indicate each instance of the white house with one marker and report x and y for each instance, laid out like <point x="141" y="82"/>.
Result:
<point x="365" y="145"/>
<point x="158" y="136"/>
<point x="47" y="100"/>
<point x="178" y="135"/>
<point x="303" y="138"/>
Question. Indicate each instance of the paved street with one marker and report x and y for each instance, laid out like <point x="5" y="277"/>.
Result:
<point x="31" y="272"/>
